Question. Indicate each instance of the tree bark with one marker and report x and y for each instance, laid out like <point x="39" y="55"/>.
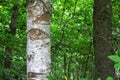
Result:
<point x="38" y="39"/>
<point x="102" y="39"/>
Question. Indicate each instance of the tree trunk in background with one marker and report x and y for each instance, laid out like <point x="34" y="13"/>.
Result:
<point x="101" y="39"/>
<point x="11" y="31"/>
<point x="38" y="39"/>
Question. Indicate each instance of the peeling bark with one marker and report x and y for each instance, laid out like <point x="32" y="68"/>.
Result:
<point x="38" y="39"/>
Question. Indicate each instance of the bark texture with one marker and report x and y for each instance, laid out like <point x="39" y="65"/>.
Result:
<point x="101" y="39"/>
<point x="38" y="39"/>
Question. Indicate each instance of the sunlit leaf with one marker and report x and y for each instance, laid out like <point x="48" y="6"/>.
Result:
<point x="114" y="58"/>
<point x="109" y="78"/>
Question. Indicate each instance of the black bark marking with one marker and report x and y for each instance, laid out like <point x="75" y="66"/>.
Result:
<point x="43" y="17"/>
<point x="36" y="34"/>
<point x="30" y="57"/>
<point x="33" y="74"/>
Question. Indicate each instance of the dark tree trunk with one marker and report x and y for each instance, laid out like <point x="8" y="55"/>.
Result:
<point x="101" y="39"/>
<point x="11" y="31"/>
<point x="13" y="23"/>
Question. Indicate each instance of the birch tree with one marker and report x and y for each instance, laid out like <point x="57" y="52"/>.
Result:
<point x="38" y="39"/>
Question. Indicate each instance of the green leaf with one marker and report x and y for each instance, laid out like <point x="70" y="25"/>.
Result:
<point x="109" y="78"/>
<point x="114" y="58"/>
<point x="117" y="65"/>
<point x="99" y="79"/>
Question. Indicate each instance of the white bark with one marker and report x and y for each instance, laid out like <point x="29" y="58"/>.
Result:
<point x="38" y="39"/>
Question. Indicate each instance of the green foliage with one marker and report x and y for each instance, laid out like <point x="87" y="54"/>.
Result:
<point x="17" y="42"/>
<point x="116" y="59"/>
<point x="109" y="78"/>
<point x="71" y="30"/>
<point x="99" y="79"/>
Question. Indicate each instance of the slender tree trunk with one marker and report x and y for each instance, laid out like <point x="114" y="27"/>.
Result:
<point x="38" y="39"/>
<point x="69" y="67"/>
<point x="101" y="39"/>
<point x="65" y="57"/>
<point x="11" y="31"/>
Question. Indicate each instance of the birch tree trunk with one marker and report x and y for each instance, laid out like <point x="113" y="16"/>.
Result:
<point x="38" y="39"/>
